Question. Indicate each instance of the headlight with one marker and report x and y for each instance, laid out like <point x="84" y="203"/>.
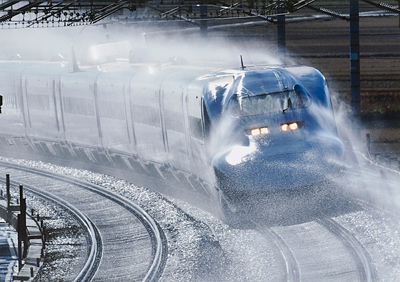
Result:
<point x="255" y="132"/>
<point x="258" y="131"/>
<point x="292" y="126"/>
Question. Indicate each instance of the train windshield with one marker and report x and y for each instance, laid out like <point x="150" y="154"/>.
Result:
<point x="276" y="102"/>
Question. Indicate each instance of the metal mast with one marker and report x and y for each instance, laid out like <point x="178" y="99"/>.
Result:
<point x="355" y="63"/>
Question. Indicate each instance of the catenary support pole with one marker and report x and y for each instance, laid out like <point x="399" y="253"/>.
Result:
<point x="281" y="34"/>
<point x="203" y="21"/>
<point x="368" y="143"/>
<point x="355" y="65"/>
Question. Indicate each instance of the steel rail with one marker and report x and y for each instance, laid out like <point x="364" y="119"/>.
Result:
<point x="292" y="267"/>
<point x="92" y="263"/>
<point x="365" y="268"/>
<point x="157" y="236"/>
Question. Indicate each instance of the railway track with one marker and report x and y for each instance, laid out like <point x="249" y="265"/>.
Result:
<point x="317" y="246"/>
<point x="94" y="244"/>
<point x="125" y="242"/>
<point x="307" y="250"/>
<point x="291" y="264"/>
<point x="340" y="239"/>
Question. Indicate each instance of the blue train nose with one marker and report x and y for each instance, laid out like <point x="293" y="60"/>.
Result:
<point x="270" y="167"/>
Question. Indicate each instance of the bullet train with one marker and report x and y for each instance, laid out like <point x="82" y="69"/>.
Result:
<point x="229" y="133"/>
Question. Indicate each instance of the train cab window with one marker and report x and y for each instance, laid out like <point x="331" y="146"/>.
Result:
<point x="302" y="99"/>
<point x="233" y="106"/>
<point x="276" y="102"/>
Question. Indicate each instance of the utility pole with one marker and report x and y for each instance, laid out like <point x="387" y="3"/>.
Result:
<point x="355" y="65"/>
<point x="203" y="20"/>
<point x="281" y="33"/>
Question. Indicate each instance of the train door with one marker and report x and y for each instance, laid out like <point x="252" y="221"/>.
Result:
<point x="195" y="117"/>
<point x="77" y="92"/>
<point x="172" y="100"/>
<point x="146" y="114"/>
<point x="39" y="86"/>
<point x="112" y="91"/>
<point x="12" y="119"/>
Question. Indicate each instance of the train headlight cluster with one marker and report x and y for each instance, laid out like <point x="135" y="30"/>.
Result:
<point x="289" y="126"/>
<point x="258" y="131"/>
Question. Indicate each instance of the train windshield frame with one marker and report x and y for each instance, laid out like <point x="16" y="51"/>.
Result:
<point x="268" y="103"/>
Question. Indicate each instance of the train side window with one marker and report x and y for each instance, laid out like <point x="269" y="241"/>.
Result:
<point x="196" y="127"/>
<point x="112" y="110"/>
<point x="146" y="115"/>
<point x="10" y="101"/>
<point x="39" y="102"/>
<point x="174" y="121"/>
<point x="206" y="123"/>
<point x="79" y="106"/>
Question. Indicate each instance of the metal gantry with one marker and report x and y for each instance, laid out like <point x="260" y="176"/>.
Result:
<point x="198" y="12"/>
<point x="76" y="12"/>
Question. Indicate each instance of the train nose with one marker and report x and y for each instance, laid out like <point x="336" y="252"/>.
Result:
<point x="271" y="167"/>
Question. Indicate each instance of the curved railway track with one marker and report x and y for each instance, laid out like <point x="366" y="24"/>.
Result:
<point x="365" y="268"/>
<point x="291" y="264"/>
<point x="308" y="249"/>
<point x="132" y="247"/>
<point x="318" y="250"/>
<point x="94" y="242"/>
<point x="352" y="237"/>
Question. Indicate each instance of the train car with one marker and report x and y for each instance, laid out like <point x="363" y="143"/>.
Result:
<point x="227" y="133"/>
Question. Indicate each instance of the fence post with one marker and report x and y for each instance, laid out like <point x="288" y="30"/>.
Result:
<point x="23" y="218"/>
<point x="19" y="243"/>
<point x="21" y="194"/>
<point x="8" y="192"/>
